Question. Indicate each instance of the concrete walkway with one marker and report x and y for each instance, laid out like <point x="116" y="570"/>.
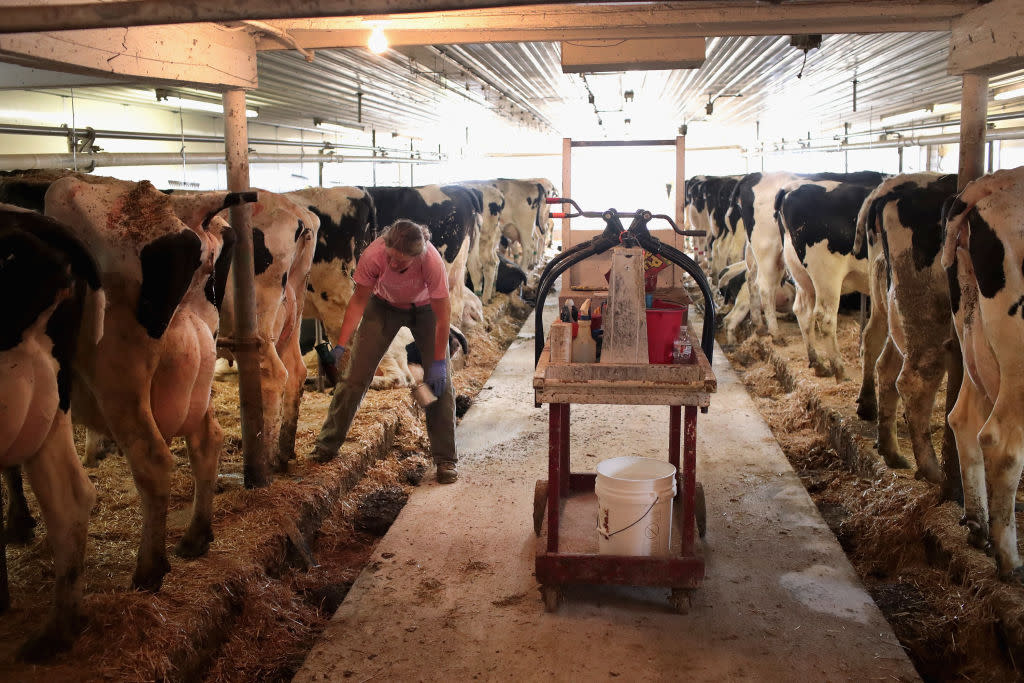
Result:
<point x="450" y="594"/>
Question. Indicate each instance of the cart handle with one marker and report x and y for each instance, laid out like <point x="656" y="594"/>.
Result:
<point x="580" y="213"/>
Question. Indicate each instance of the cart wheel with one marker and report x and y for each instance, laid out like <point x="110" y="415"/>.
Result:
<point x="681" y="599"/>
<point x="540" y="504"/>
<point x="552" y="596"/>
<point x="701" y="511"/>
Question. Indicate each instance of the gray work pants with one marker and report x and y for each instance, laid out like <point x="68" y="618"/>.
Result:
<point x="381" y="322"/>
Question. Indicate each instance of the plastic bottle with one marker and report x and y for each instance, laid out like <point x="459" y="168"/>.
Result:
<point x="682" y="348"/>
<point x="584" y="348"/>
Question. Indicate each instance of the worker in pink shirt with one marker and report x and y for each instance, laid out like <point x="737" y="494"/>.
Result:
<point x="400" y="282"/>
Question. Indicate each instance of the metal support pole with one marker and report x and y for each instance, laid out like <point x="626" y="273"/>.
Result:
<point x="566" y="192"/>
<point x="256" y="469"/>
<point x="555" y="426"/>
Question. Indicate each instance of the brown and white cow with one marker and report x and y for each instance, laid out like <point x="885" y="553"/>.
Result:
<point x="149" y="378"/>
<point x="910" y="319"/>
<point x="48" y="284"/>
<point x="983" y="253"/>
<point x="284" y="238"/>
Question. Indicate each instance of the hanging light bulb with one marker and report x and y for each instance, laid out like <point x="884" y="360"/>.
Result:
<point x="378" y="41"/>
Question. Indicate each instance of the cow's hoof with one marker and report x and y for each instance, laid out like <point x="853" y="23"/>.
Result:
<point x="53" y="640"/>
<point x="929" y="474"/>
<point x="1014" y="576"/>
<point x="193" y="545"/>
<point x="952" y="491"/>
<point x="867" y="411"/>
<point x="151" y="578"/>
<point x="20" y="527"/>
<point x="820" y="370"/>
<point x="977" y="534"/>
<point x="895" y="460"/>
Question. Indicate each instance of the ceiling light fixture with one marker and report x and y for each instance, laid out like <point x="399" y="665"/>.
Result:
<point x="378" y="42"/>
<point x="338" y="126"/>
<point x="163" y="97"/>
<point x="1009" y="94"/>
<point x="905" y="116"/>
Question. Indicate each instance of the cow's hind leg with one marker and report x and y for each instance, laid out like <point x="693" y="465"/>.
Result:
<point x="965" y="420"/>
<point x="204" y="454"/>
<point x="65" y="497"/>
<point x="1002" y="444"/>
<point x="292" y="357"/>
<point x="19" y="526"/>
<point x="918" y="383"/>
<point x="872" y="340"/>
<point x="888" y="366"/>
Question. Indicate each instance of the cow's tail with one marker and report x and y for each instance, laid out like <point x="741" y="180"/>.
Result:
<point x="955" y="213"/>
<point x="867" y="217"/>
<point x="780" y="197"/>
<point x="459" y="337"/>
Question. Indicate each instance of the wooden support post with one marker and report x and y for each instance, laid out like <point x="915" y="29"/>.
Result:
<point x="678" y="241"/>
<point x="236" y="142"/>
<point x="973" y="110"/>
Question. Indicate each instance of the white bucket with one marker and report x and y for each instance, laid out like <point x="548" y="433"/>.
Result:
<point x="634" y="505"/>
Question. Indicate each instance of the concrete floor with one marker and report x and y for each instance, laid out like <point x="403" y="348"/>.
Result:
<point x="450" y="593"/>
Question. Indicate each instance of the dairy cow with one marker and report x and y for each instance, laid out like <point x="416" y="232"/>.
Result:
<point x="284" y="238"/>
<point x="983" y="253"/>
<point x="754" y="200"/>
<point x="510" y="276"/>
<point x="910" y="313"/>
<point x="449" y="212"/>
<point x="149" y="378"/>
<point x="482" y="264"/>
<point x="49" y="290"/>
<point x="726" y="243"/>
<point x="818" y="221"/>
<point x="525" y="207"/>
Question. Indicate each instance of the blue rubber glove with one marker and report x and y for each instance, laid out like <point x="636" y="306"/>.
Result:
<point x="337" y="352"/>
<point x="437" y="377"/>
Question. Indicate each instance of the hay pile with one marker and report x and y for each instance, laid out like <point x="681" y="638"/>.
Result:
<point x="942" y="614"/>
<point x="282" y="559"/>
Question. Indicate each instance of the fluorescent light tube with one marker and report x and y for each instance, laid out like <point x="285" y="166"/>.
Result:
<point x="200" y="105"/>
<point x="1009" y="94"/>
<point x="338" y="127"/>
<point x="907" y="115"/>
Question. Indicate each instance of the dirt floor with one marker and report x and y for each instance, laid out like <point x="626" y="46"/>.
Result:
<point x="947" y="619"/>
<point x="283" y="559"/>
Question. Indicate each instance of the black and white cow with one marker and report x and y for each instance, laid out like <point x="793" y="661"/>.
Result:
<point x="510" y="276"/>
<point x="482" y="264"/>
<point x="149" y="377"/>
<point x="818" y="221"/>
<point x="910" y="315"/>
<point x="449" y="212"/>
<point x="727" y="243"/>
<point x="284" y="237"/>
<point x="49" y="290"/>
<point x="983" y="253"/>
<point x="754" y="199"/>
<point x="525" y="208"/>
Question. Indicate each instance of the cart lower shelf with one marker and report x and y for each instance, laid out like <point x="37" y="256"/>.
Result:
<point x="579" y="562"/>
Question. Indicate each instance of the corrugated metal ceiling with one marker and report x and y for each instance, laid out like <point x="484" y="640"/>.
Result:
<point x="402" y="90"/>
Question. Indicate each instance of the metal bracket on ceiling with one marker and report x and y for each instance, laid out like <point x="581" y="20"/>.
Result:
<point x="81" y="141"/>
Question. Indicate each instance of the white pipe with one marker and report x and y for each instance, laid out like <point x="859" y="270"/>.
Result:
<point x="25" y="162"/>
<point x="1016" y="133"/>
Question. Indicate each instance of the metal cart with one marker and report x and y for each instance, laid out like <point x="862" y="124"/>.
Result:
<point x="564" y="504"/>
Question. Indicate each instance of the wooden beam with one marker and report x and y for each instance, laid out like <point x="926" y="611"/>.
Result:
<point x="597" y="21"/>
<point x="88" y="15"/>
<point x="988" y="40"/>
<point x="632" y="54"/>
<point x="204" y="54"/>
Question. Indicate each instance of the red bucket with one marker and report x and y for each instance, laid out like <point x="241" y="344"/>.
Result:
<point x="662" y="328"/>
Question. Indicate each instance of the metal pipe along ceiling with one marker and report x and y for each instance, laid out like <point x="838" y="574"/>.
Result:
<point x="25" y="162"/>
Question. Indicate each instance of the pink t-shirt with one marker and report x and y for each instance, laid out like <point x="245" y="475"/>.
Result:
<point x="423" y="280"/>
